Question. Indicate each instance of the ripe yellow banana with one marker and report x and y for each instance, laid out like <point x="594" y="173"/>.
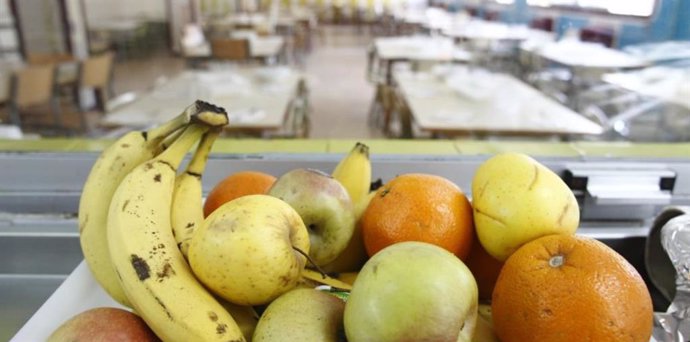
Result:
<point x="154" y="274"/>
<point x="319" y="278"/>
<point x="354" y="172"/>
<point x="187" y="207"/>
<point x="114" y="163"/>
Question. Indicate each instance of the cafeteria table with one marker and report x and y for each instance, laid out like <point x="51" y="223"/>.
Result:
<point x="473" y="101"/>
<point x="257" y="99"/>
<point x="389" y="50"/>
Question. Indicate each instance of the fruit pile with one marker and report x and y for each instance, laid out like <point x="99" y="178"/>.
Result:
<point x="311" y="256"/>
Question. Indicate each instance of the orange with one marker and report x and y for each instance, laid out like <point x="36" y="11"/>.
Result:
<point x="570" y="288"/>
<point x="484" y="268"/>
<point x="237" y="185"/>
<point x="419" y="207"/>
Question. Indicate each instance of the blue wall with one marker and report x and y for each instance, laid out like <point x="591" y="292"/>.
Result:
<point x="670" y="21"/>
<point x="683" y="21"/>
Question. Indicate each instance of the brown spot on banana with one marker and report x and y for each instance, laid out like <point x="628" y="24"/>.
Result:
<point x="140" y="267"/>
<point x="124" y="206"/>
<point x="169" y="165"/>
<point x="194" y="174"/>
<point x="221" y="328"/>
<point x="162" y="305"/>
<point x="213" y="316"/>
<point x="166" y="272"/>
<point x="157" y="178"/>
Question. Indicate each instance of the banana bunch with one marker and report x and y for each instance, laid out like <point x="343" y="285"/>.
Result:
<point x="114" y="163"/>
<point x="133" y="210"/>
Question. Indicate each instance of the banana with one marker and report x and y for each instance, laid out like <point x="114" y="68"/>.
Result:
<point x="325" y="280"/>
<point x="187" y="207"/>
<point x="114" y="163"/>
<point x="152" y="270"/>
<point x="354" y="172"/>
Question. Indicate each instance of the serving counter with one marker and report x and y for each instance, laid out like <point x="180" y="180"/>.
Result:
<point x="621" y="187"/>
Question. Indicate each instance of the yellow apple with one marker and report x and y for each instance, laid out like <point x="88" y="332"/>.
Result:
<point x="248" y="250"/>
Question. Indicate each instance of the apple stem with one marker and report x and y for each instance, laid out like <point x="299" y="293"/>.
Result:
<point x="318" y="269"/>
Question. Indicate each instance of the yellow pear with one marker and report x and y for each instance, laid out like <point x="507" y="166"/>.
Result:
<point x="305" y="315"/>
<point x="516" y="199"/>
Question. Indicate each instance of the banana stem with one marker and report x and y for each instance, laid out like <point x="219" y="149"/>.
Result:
<point x="362" y="148"/>
<point x="198" y="162"/>
<point x="209" y="114"/>
<point x="170" y="139"/>
<point x="177" y="151"/>
<point x="158" y="133"/>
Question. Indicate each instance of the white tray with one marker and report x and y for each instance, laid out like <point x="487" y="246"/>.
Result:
<point x="79" y="292"/>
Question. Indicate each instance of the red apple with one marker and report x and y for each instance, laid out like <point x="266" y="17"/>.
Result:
<point x="104" y="325"/>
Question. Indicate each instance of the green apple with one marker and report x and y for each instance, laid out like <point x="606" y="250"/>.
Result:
<point x="412" y="291"/>
<point x="248" y="250"/>
<point x="305" y="315"/>
<point x="325" y="207"/>
<point x="516" y="199"/>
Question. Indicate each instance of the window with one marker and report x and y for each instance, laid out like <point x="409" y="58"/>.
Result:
<point x="639" y="8"/>
<point x="505" y="2"/>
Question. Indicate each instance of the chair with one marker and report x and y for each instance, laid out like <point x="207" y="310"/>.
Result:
<point x="65" y="65"/>
<point x="492" y="15"/>
<point x="48" y="58"/>
<point x="230" y="49"/>
<point x="33" y="87"/>
<point x="598" y="34"/>
<point x="297" y="120"/>
<point x="544" y="24"/>
<point x="96" y="73"/>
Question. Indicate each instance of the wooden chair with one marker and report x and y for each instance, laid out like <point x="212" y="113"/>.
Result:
<point x="48" y="58"/>
<point x="65" y="65"/>
<point x="96" y="73"/>
<point x="230" y="49"/>
<point x="33" y="87"/>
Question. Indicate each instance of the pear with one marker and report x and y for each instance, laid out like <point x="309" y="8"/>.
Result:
<point x="516" y="199"/>
<point x="305" y="315"/>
